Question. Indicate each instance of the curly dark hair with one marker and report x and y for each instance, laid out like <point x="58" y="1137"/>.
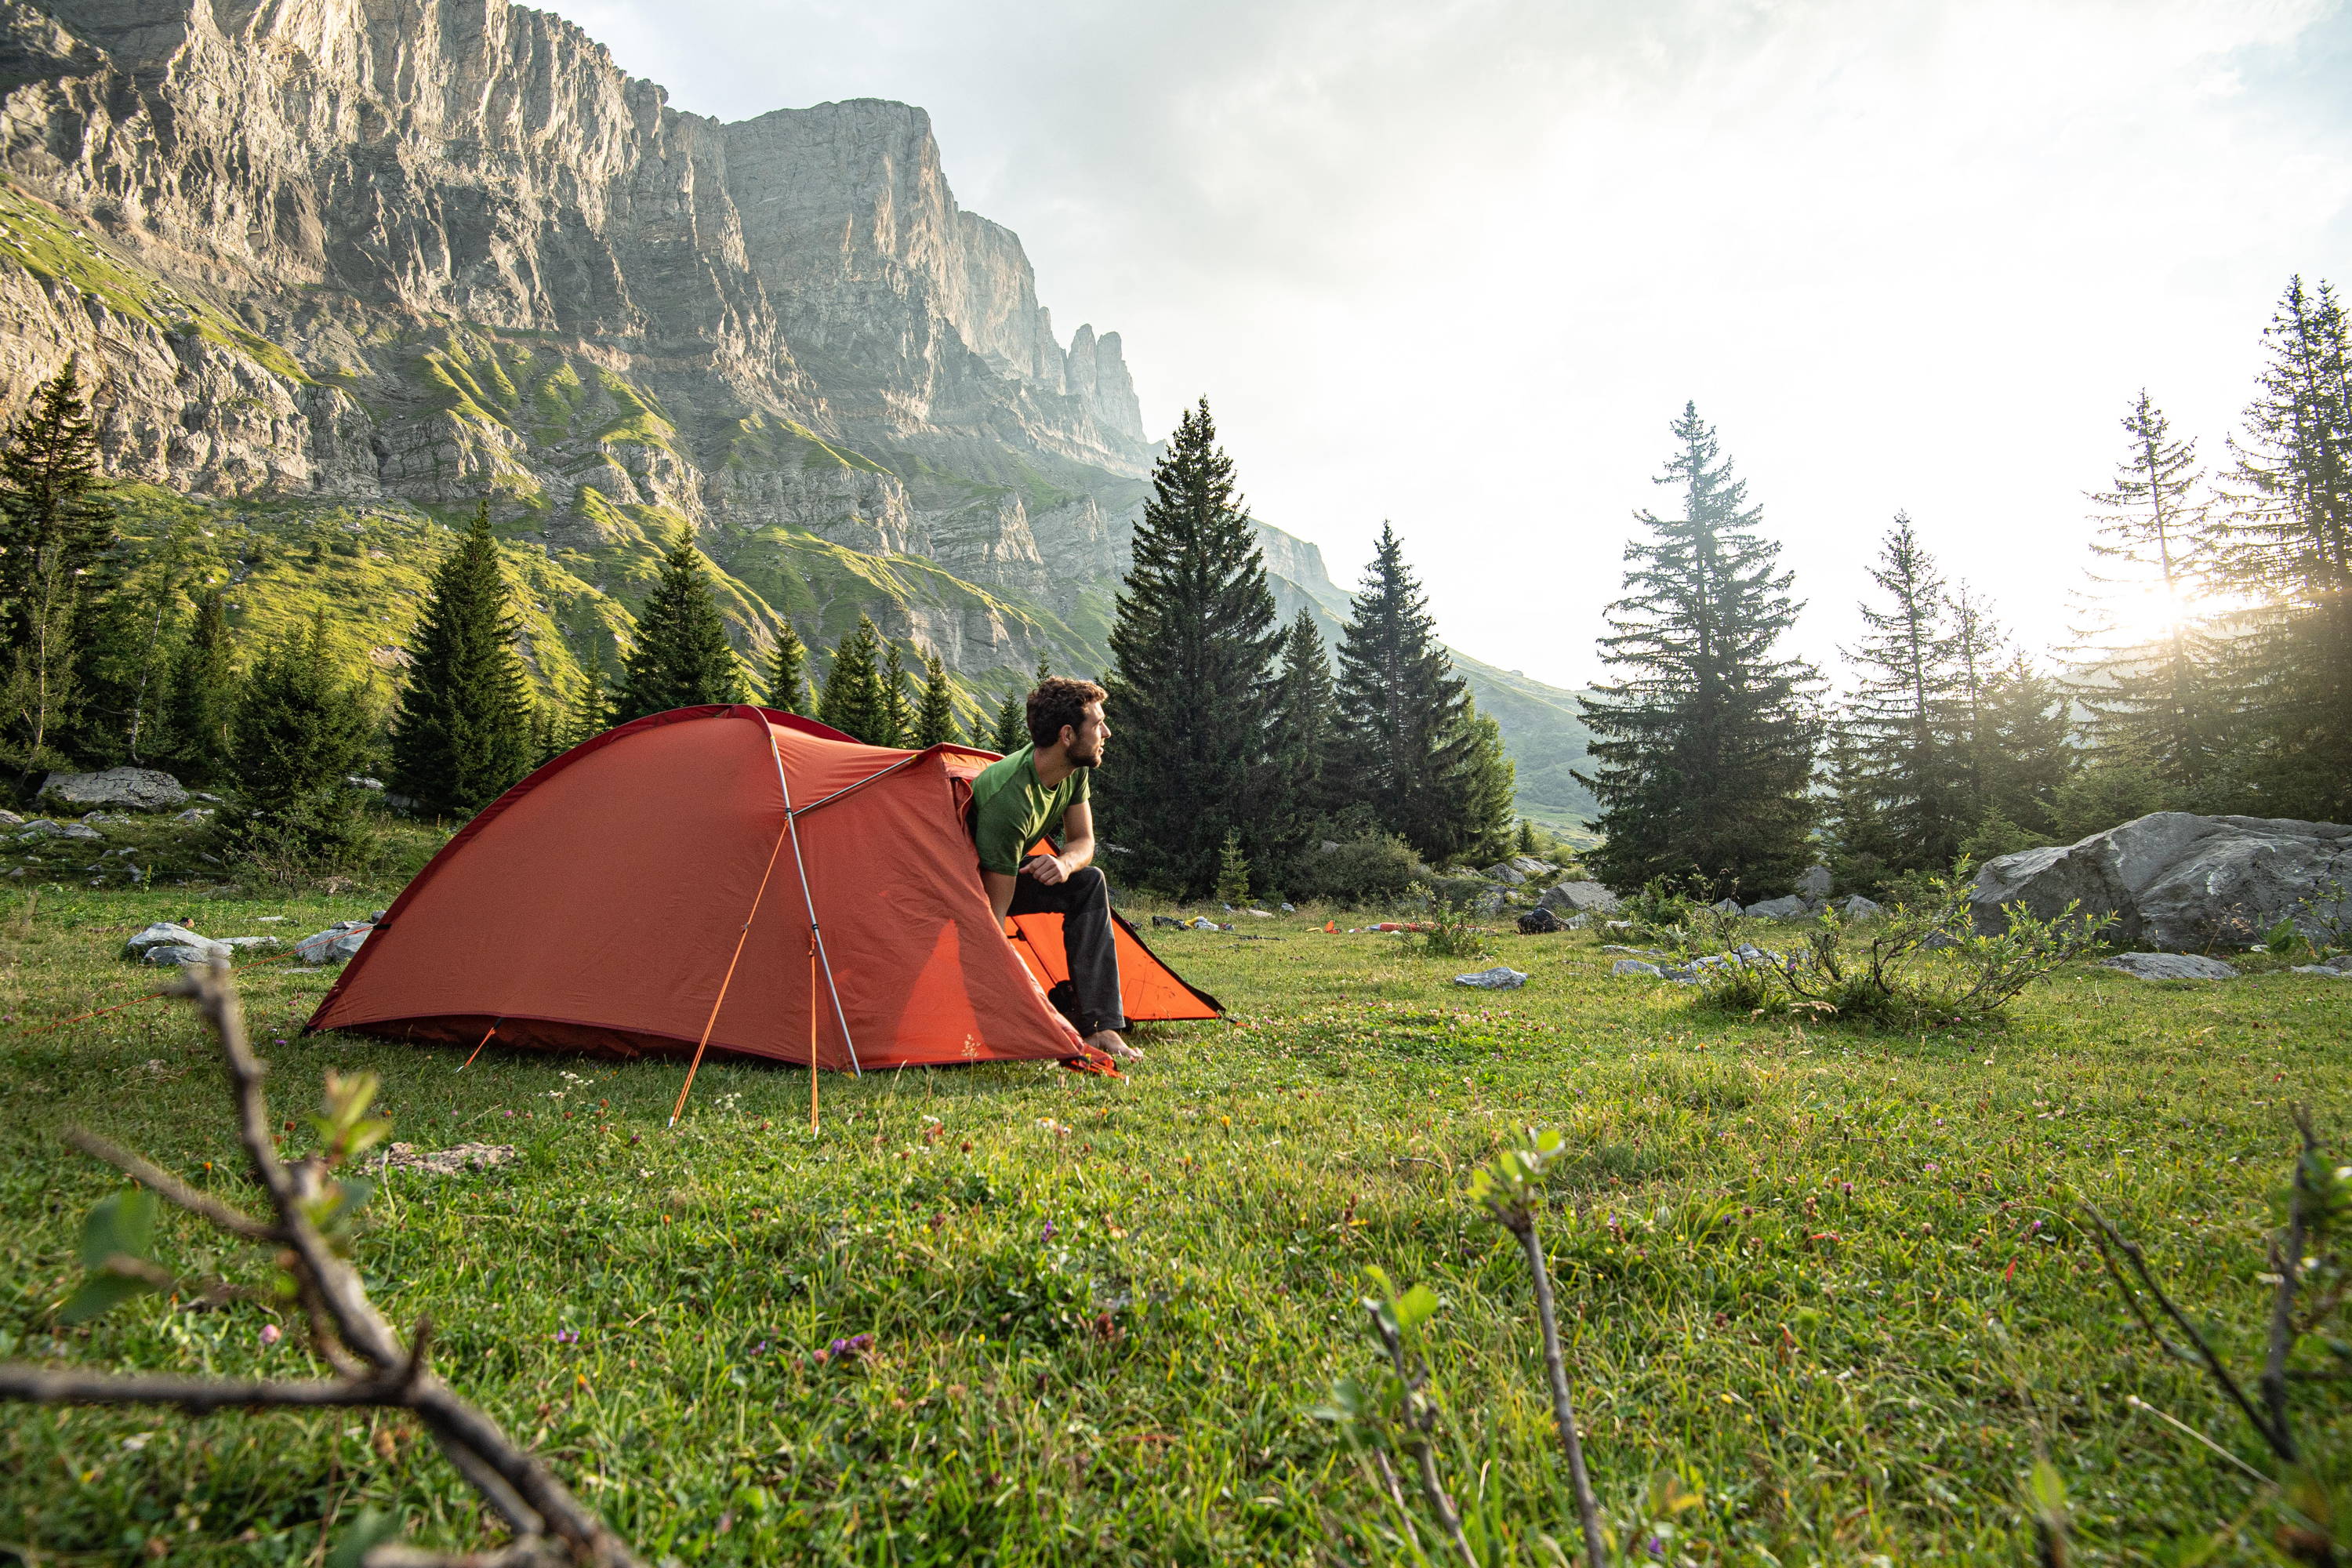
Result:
<point x="1057" y="703"/>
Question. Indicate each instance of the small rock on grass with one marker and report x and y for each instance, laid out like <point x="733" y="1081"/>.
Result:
<point x="2171" y="966"/>
<point x="1633" y="966"/>
<point x="2337" y="968"/>
<point x="447" y="1162"/>
<point x="1502" y="977"/>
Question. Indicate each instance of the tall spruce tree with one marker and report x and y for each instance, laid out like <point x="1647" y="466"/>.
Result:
<point x="935" y="722"/>
<point x="788" y="689"/>
<point x="1011" y="731"/>
<point x="1405" y="744"/>
<point x="1192" y="686"/>
<point x="56" y="529"/>
<point x="200" y="702"/>
<point x="463" y="730"/>
<point x="1979" y="648"/>
<point x="589" y="713"/>
<point x="2031" y="748"/>
<point x="300" y="726"/>
<point x="2154" y="693"/>
<point x="855" y="701"/>
<point x="2286" y="548"/>
<point x="899" y="706"/>
<point x="681" y="659"/>
<point x="1702" y="744"/>
<point x="1906" y="702"/>
<point x="1304" y="716"/>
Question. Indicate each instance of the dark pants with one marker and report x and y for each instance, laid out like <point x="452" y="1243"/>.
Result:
<point x="1083" y="901"/>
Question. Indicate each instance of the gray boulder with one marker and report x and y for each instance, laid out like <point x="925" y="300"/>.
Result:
<point x="1726" y="907"/>
<point x="1528" y="865"/>
<point x="1502" y="977"/>
<point x="164" y="933"/>
<point x="1814" y="884"/>
<point x="170" y="952"/>
<point x="2176" y="881"/>
<point x="2171" y="966"/>
<point x="1577" y="897"/>
<point x="2337" y="968"/>
<point x="1510" y="876"/>
<point x="127" y="789"/>
<point x="1633" y="966"/>
<point x="1787" y="907"/>
<point x="341" y="940"/>
<point x="1858" y="908"/>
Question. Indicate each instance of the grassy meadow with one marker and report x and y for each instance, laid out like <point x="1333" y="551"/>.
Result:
<point x="1822" y="1285"/>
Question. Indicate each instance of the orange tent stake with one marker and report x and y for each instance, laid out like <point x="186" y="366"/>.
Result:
<point x="478" y="1046"/>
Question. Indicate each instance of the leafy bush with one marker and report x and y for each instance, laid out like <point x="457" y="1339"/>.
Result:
<point x="1922" y="964"/>
<point x="1450" y="933"/>
<point x="1373" y="870"/>
<point x="1658" y="911"/>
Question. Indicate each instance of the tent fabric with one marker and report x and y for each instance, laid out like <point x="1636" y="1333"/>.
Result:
<point x="595" y="905"/>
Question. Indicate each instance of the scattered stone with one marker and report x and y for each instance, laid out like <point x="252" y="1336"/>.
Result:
<point x="1633" y="966"/>
<point x="1262" y="914"/>
<point x="336" y="944"/>
<point x="201" y="796"/>
<point x="194" y="814"/>
<point x="1726" y="906"/>
<point x="1580" y="898"/>
<point x="10" y="819"/>
<point x="1288" y="909"/>
<point x="42" y="827"/>
<point x="132" y="789"/>
<point x="2179" y="882"/>
<point x="165" y="933"/>
<point x="358" y="782"/>
<point x="1813" y="885"/>
<point x="1528" y="865"/>
<point x="2337" y="968"/>
<point x="1541" y="922"/>
<point x="2171" y="966"/>
<point x="1502" y="977"/>
<point x="1939" y="940"/>
<point x="1510" y="876"/>
<point x="1858" y="908"/>
<point x="168" y="952"/>
<point x="1787" y="907"/>
<point x="447" y="1162"/>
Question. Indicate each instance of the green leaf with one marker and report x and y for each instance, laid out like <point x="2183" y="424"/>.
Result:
<point x="1415" y="1307"/>
<point x="100" y="1294"/>
<point x="124" y="1223"/>
<point x="369" y="1530"/>
<point x="2047" y="1489"/>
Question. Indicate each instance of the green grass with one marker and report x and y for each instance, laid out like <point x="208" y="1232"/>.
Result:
<point x="1778" y="1247"/>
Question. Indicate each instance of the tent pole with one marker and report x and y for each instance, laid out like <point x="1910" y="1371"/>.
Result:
<point x="817" y="935"/>
<point x="729" y="978"/>
<point x="811" y="1032"/>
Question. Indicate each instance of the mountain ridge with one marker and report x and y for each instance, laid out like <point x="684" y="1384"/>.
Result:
<point x="338" y="267"/>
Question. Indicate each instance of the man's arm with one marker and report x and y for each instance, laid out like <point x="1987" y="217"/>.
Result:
<point x="1078" y="847"/>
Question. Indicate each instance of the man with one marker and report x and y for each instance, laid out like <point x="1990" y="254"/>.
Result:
<point x="1039" y="790"/>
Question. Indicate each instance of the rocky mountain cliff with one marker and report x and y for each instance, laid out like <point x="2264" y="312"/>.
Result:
<point x="338" y="269"/>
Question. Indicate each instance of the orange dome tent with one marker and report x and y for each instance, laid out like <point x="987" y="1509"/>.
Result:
<point x="651" y="888"/>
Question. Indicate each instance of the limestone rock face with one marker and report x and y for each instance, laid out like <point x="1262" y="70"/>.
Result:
<point x="2177" y="881"/>
<point x="426" y="249"/>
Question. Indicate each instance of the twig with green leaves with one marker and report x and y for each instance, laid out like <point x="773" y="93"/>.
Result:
<point x="2311" y="1274"/>
<point x="314" y="1202"/>
<point x="1508" y="1187"/>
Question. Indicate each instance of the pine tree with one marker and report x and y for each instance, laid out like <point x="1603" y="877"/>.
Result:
<point x="1191" y="683"/>
<point x="1978" y="649"/>
<point x="1302" y="719"/>
<point x="1404" y="743"/>
<point x="200" y="705"/>
<point x="935" y="724"/>
<point x="897" y="708"/>
<point x="1859" y="846"/>
<point x="788" y="672"/>
<point x="300" y="729"/>
<point x="1488" y="783"/>
<point x="2287" y="546"/>
<point x="1011" y="731"/>
<point x="1906" y="702"/>
<point x="2028" y="744"/>
<point x="463" y="730"/>
<point x="587" y="714"/>
<point x="681" y="659"/>
<point x="56" y="529"/>
<point x="855" y="701"/>
<point x="2154" y="697"/>
<point x="1233" y="872"/>
<point x="1702" y="748"/>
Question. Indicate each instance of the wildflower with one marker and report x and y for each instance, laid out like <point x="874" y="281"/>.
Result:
<point x="270" y="1335"/>
<point x="1047" y="1234"/>
<point x="850" y="1349"/>
<point x="509" y="1116"/>
<point x="567" y="1336"/>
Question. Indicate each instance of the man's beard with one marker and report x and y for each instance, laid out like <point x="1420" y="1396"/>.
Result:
<point x="1095" y="761"/>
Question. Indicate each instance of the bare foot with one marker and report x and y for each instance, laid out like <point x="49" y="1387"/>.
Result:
<point x="1120" y="1050"/>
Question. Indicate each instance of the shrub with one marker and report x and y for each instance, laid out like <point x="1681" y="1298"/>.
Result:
<point x="1922" y="964"/>
<point x="1658" y="911"/>
<point x="1370" y="869"/>
<point x="1450" y="933"/>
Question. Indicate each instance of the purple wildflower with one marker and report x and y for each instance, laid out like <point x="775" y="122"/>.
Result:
<point x="270" y="1335"/>
<point x="1047" y="1234"/>
<point x="567" y="1336"/>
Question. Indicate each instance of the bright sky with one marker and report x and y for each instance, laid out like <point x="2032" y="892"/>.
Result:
<point x="1459" y="263"/>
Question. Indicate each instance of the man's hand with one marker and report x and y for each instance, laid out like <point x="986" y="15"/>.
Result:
<point x="1047" y="868"/>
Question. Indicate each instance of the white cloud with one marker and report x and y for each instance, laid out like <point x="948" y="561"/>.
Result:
<point x="1459" y="264"/>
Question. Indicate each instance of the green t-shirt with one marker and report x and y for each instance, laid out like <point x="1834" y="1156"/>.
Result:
<point x="1011" y="809"/>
